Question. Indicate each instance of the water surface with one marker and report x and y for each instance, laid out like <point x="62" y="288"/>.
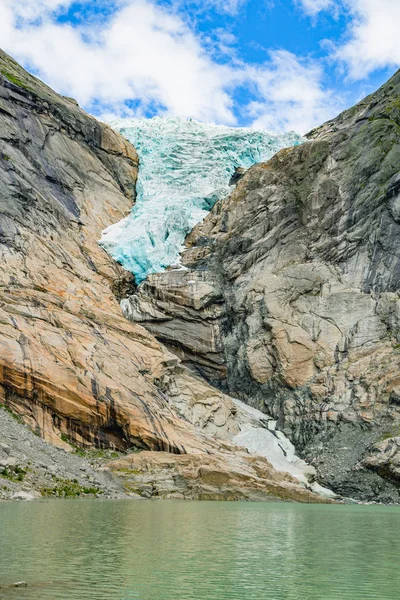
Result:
<point x="160" y="550"/>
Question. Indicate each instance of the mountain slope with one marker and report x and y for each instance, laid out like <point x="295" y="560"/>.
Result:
<point x="69" y="360"/>
<point x="291" y="300"/>
<point x="71" y="366"/>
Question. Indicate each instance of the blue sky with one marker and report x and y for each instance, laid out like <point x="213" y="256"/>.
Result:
<point x="275" y="64"/>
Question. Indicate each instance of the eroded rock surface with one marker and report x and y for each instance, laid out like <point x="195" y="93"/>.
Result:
<point x="69" y="361"/>
<point x="71" y="365"/>
<point x="223" y="476"/>
<point x="290" y="299"/>
<point x="384" y="458"/>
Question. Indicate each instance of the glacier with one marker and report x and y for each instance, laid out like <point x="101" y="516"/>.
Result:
<point x="185" y="167"/>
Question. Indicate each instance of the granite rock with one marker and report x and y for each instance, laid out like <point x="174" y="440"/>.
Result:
<point x="72" y="367"/>
<point x="290" y="296"/>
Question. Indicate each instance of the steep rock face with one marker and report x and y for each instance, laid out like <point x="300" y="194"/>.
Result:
<point x="71" y="365"/>
<point x="69" y="361"/>
<point x="291" y="297"/>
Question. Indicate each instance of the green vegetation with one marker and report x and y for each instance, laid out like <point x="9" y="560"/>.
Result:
<point x="130" y="471"/>
<point x="393" y="105"/>
<point x="97" y="454"/>
<point x="389" y="112"/>
<point x="15" y="79"/>
<point x="394" y="432"/>
<point x="132" y="488"/>
<point x="6" y="157"/>
<point x="15" y="474"/>
<point x="67" y="488"/>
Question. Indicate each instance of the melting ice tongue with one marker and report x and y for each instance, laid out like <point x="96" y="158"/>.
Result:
<point x="185" y="167"/>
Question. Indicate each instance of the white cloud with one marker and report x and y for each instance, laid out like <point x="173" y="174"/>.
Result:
<point x="313" y="7"/>
<point x="143" y="57"/>
<point x="373" y="37"/>
<point x="292" y="96"/>
<point x="143" y="53"/>
<point x="230" y="7"/>
<point x="32" y="9"/>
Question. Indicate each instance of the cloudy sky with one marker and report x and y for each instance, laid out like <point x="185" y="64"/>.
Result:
<point x="276" y="64"/>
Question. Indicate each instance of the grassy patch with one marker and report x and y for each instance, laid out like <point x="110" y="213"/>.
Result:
<point x="15" y="79"/>
<point x="97" y="454"/>
<point x="395" y="432"/>
<point x="69" y="488"/>
<point x="130" y="471"/>
<point x="15" y="474"/>
<point x="131" y="487"/>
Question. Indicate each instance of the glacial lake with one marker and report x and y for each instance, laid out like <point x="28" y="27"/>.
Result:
<point x="165" y="550"/>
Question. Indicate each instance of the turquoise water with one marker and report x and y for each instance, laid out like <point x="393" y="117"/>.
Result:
<point x="161" y="550"/>
<point x="185" y="167"/>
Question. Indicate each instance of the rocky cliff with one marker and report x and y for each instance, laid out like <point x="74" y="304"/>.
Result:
<point x="71" y="366"/>
<point x="290" y="297"/>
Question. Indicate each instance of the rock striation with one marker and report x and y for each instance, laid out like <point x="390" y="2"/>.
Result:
<point x="290" y="297"/>
<point x="222" y="476"/>
<point x="69" y="361"/>
<point x="71" y="366"/>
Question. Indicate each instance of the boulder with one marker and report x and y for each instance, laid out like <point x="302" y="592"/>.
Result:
<point x="24" y="496"/>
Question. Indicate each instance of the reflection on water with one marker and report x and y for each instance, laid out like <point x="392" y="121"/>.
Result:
<point x="126" y="550"/>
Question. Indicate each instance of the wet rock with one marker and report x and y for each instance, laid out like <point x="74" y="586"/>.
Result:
<point x="146" y="494"/>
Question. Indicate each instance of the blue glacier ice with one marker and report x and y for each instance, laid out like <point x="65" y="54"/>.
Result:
<point x="185" y="167"/>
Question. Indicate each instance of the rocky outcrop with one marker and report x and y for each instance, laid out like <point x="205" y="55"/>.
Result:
<point x="225" y="476"/>
<point x="71" y="366"/>
<point x="384" y="458"/>
<point x="70" y="363"/>
<point x="290" y="297"/>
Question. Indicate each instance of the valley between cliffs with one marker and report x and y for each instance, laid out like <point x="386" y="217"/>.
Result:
<point x="288" y="300"/>
<point x="72" y="367"/>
